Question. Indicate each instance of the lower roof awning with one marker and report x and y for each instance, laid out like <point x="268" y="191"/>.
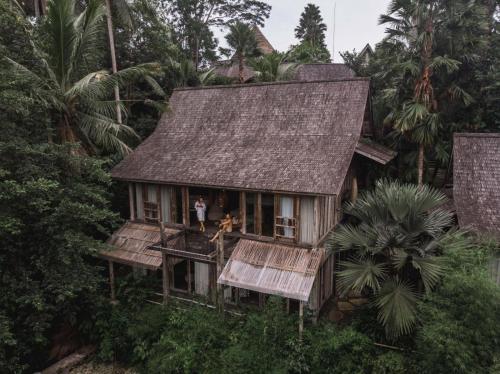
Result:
<point x="272" y="269"/>
<point x="130" y="245"/>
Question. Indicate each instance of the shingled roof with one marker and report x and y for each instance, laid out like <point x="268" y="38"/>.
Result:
<point x="476" y="181"/>
<point x="294" y="137"/>
<point x="318" y="72"/>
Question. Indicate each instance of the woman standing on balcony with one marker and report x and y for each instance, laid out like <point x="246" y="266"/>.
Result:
<point x="201" y="208"/>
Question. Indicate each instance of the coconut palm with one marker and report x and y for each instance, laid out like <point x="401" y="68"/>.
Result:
<point x="241" y="39"/>
<point x="123" y="12"/>
<point x="394" y="249"/>
<point x="272" y="67"/>
<point x="78" y="97"/>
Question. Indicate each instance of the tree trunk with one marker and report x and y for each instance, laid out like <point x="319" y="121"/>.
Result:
<point x="240" y="67"/>
<point x="111" y="37"/>
<point x="420" y="164"/>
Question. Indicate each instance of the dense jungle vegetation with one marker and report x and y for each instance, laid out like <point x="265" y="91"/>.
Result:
<point x="68" y="113"/>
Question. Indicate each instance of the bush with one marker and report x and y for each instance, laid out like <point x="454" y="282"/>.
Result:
<point x="459" y="322"/>
<point x="336" y="350"/>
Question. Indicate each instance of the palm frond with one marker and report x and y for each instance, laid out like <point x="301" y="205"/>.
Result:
<point x="431" y="270"/>
<point x="358" y="275"/>
<point x="396" y="302"/>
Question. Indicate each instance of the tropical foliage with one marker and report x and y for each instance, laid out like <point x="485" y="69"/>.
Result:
<point x="394" y="249"/>
<point x="61" y="135"/>
<point x="273" y="67"/>
<point x="428" y="80"/>
<point x="193" y="20"/>
<point x="64" y="82"/>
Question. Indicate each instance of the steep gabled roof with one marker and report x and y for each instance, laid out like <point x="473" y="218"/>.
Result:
<point x="320" y="71"/>
<point x="476" y="181"/>
<point x="262" y="43"/>
<point x="294" y="137"/>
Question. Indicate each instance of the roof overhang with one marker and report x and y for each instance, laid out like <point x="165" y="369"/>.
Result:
<point x="375" y="152"/>
<point x="272" y="269"/>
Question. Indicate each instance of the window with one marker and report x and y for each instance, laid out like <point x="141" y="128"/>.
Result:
<point x="286" y="224"/>
<point x="151" y="205"/>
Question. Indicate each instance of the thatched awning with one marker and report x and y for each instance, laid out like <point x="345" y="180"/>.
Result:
<point x="375" y="152"/>
<point x="131" y="245"/>
<point x="272" y="269"/>
<point x="476" y="177"/>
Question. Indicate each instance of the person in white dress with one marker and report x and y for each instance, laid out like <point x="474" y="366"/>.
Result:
<point x="201" y="208"/>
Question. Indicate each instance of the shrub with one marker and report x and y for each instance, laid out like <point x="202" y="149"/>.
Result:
<point x="459" y="322"/>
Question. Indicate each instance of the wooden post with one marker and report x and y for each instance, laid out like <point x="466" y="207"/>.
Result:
<point x="131" y="201"/>
<point x="164" y="263"/>
<point x="220" y="264"/>
<point x="185" y="206"/>
<point x="243" y="212"/>
<point x="165" y="276"/>
<point x="189" y="276"/>
<point x="258" y="214"/>
<point x="301" y="319"/>
<point x="354" y="188"/>
<point x="112" y="281"/>
<point x="317" y="228"/>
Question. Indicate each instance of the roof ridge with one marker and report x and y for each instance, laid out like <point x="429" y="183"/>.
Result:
<point x="476" y="135"/>
<point x="244" y="85"/>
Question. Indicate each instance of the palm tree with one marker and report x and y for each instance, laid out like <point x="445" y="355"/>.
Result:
<point x="241" y="39"/>
<point x="413" y="23"/>
<point x="79" y="98"/>
<point x="272" y="67"/>
<point x="394" y="249"/>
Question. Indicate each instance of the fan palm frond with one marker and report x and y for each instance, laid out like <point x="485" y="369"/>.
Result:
<point x="358" y="275"/>
<point x="396" y="303"/>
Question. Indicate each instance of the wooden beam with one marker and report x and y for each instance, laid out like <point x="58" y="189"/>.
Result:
<point x="112" y="281"/>
<point x="131" y="201"/>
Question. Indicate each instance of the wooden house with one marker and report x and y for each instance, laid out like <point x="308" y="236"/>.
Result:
<point x="280" y="158"/>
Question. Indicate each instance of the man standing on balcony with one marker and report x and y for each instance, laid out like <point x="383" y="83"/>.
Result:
<point x="201" y="208"/>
